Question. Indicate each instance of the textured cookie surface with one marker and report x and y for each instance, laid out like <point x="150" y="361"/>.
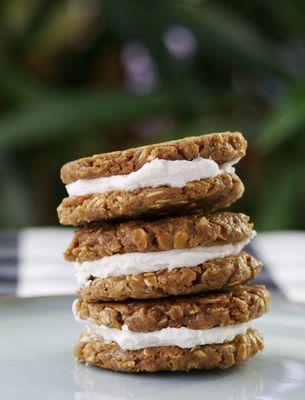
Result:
<point x="212" y="275"/>
<point x="221" y="147"/>
<point x="178" y="232"/>
<point x="171" y="358"/>
<point x="206" y="195"/>
<point x="234" y="306"/>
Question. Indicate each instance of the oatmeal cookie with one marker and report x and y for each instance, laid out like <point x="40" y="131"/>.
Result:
<point x="204" y="311"/>
<point x="221" y="147"/>
<point x="168" y="358"/>
<point x="205" y="195"/>
<point x="187" y="231"/>
<point x="220" y="273"/>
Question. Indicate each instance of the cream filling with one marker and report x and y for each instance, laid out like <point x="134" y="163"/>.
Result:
<point x="138" y="263"/>
<point x="153" y="174"/>
<point x="181" y="337"/>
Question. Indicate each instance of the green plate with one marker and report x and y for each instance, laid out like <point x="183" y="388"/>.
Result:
<point x="36" y="362"/>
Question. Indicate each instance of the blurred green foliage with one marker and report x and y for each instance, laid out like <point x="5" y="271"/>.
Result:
<point x="80" y="77"/>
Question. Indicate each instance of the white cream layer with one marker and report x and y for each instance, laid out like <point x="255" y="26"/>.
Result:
<point x="137" y="263"/>
<point x="153" y="174"/>
<point x="181" y="337"/>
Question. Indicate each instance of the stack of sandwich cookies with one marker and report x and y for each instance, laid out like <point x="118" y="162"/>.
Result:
<point x="148" y="238"/>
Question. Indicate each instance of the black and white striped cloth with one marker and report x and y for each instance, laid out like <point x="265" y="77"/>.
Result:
<point x="31" y="262"/>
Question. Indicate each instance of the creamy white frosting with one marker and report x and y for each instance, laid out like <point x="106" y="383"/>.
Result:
<point x="173" y="173"/>
<point x="181" y="337"/>
<point x="137" y="263"/>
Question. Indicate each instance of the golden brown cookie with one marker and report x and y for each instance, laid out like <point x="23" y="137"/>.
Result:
<point x="168" y="358"/>
<point x="187" y="231"/>
<point x="204" y="311"/>
<point x="212" y="275"/>
<point x="206" y="195"/>
<point x="221" y="147"/>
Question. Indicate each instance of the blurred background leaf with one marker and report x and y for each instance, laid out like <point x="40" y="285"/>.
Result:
<point x="48" y="119"/>
<point x="79" y="77"/>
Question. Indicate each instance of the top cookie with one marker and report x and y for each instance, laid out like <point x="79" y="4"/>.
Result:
<point x="220" y="147"/>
